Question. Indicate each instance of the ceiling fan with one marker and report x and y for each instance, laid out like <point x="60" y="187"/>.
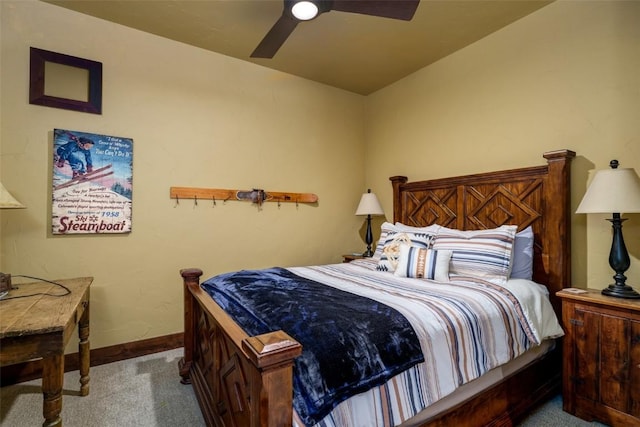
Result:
<point x="296" y="11"/>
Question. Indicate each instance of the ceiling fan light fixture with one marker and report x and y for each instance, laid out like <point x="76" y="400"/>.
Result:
<point x="304" y="10"/>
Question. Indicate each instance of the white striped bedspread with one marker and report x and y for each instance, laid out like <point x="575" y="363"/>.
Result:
<point x="465" y="329"/>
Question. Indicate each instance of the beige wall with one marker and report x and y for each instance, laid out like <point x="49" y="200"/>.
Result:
<point x="197" y="119"/>
<point x="567" y="76"/>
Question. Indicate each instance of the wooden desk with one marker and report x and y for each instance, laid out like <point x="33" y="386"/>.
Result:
<point x="40" y="327"/>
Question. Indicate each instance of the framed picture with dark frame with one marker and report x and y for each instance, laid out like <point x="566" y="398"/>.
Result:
<point x="83" y="73"/>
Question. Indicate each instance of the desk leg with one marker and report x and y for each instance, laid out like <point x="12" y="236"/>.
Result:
<point x="84" y="351"/>
<point x="52" y="379"/>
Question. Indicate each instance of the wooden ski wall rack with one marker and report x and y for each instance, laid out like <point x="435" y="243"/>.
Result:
<point x="257" y="196"/>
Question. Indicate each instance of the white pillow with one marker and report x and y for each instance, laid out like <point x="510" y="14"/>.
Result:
<point x="423" y="263"/>
<point x="522" y="261"/>
<point x="432" y="229"/>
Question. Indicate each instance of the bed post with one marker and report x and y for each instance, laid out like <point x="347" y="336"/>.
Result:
<point x="239" y="380"/>
<point x="396" y="182"/>
<point x="558" y="216"/>
<point x="273" y="355"/>
<point x="191" y="278"/>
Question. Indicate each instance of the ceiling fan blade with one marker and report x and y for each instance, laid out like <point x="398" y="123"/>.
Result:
<point x="395" y="9"/>
<point x="275" y="38"/>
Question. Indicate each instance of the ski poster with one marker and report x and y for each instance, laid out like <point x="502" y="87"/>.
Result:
<point x="92" y="183"/>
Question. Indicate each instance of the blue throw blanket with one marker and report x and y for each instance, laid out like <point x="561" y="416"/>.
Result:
<point x="349" y="343"/>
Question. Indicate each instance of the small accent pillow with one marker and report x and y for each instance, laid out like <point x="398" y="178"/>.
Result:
<point x="385" y="228"/>
<point x="522" y="262"/>
<point x="423" y="263"/>
<point x="485" y="254"/>
<point x="391" y="247"/>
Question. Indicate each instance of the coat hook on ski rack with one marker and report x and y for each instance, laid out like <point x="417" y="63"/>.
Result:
<point x="257" y="196"/>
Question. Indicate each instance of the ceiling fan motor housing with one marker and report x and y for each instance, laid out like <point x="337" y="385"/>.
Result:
<point x="322" y="5"/>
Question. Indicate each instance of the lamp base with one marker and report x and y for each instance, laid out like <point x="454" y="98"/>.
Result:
<point x="621" y="291"/>
<point x="368" y="253"/>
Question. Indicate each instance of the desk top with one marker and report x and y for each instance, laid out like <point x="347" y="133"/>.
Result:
<point x="39" y="314"/>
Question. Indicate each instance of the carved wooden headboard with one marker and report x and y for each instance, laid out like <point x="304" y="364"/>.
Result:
<point x="537" y="196"/>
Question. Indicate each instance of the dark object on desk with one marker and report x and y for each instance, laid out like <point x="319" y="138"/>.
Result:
<point x="5" y="284"/>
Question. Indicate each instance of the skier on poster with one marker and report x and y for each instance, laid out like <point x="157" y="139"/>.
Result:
<point x="78" y="153"/>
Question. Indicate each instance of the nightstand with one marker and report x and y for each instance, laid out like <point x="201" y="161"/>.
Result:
<point x="351" y="257"/>
<point x="601" y="362"/>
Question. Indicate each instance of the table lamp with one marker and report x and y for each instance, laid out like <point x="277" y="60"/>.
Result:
<point x="615" y="191"/>
<point x="369" y="205"/>
<point x="7" y="201"/>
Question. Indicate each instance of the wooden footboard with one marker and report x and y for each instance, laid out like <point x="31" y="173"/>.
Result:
<point x="239" y="380"/>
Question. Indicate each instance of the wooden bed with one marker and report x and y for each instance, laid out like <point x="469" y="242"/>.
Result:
<point x="246" y="381"/>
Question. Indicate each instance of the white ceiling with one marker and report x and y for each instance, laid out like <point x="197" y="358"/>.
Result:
<point x="354" y="52"/>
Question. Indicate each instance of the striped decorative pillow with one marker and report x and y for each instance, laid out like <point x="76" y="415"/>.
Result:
<point x="391" y="247"/>
<point x="388" y="227"/>
<point x="485" y="254"/>
<point x="423" y="263"/>
<point x="384" y="230"/>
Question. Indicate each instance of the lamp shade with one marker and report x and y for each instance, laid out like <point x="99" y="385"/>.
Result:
<point x="7" y="201"/>
<point x="612" y="191"/>
<point x="369" y="205"/>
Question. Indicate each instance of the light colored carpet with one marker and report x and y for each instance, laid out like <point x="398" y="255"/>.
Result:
<point x="146" y="392"/>
<point x="551" y="415"/>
